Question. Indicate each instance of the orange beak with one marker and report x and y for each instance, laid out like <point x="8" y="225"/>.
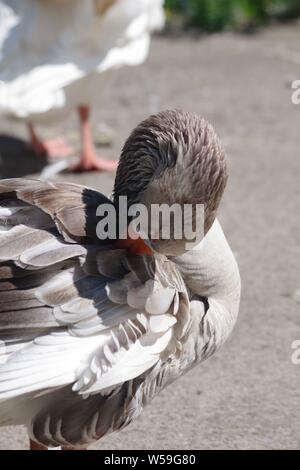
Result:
<point x="135" y="247"/>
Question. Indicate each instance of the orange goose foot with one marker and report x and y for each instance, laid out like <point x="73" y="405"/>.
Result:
<point x="91" y="162"/>
<point x="36" y="446"/>
<point x="53" y="148"/>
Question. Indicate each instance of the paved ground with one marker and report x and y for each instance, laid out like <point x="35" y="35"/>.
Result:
<point x="247" y="396"/>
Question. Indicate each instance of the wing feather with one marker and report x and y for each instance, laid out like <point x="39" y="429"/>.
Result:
<point x="73" y="311"/>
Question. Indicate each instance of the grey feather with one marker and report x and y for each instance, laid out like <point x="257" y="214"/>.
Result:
<point x="79" y="317"/>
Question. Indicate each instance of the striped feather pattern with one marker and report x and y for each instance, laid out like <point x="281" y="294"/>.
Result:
<point x="89" y="334"/>
<point x="57" y="320"/>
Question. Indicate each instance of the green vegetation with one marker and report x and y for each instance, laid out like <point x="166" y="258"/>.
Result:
<point x="217" y="15"/>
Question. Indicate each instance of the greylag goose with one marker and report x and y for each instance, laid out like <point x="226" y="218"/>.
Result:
<point x="56" y="56"/>
<point x="93" y="329"/>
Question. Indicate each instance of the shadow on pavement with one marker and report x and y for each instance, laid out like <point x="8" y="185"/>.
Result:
<point x="16" y="158"/>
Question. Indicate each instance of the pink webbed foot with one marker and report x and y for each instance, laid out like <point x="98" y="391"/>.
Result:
<point x="73" y="448"/>
<point x="94" y="163"/>
<point x="51" y="148"/>
<point x="36" y="446"/>
<point x="89" y="161"/>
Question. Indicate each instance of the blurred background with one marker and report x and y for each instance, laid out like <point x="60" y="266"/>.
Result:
<point x="239" y="15"/>
<point x="234" y="62"/>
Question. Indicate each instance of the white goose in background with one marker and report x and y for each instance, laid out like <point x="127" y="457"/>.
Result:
<point x="55" y="56"/>
<point x="92" y="331"/>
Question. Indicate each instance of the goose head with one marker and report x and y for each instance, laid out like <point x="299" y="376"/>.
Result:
<point x="173" y="157"/>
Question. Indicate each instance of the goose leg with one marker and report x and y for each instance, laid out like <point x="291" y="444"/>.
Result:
<point x="35" y="446"/>
<point x="89" y="161"/>
<point x="72" y="448"/>
<point x="53" y="148"/>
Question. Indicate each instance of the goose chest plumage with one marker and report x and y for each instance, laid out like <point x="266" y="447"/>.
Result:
<point x="91" y="331"/>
